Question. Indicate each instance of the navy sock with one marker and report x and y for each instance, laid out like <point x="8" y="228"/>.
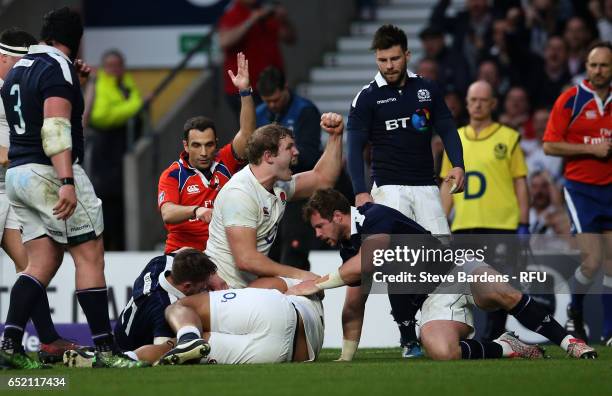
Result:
<point x="606" y="299"/>
<point x="404" y="308"/>
<point x="472" y="349"/>
<point x="579" y="285"/>
<point x="25" y="295"/>
<point x="41" y="317"/>
<point x="534" y="317"/>
<point x="94" y="303"/>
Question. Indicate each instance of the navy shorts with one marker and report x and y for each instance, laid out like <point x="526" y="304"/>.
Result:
<point x="589" y="207"/>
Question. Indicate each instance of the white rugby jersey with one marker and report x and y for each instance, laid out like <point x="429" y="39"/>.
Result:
<point x="244" y="202"/>
<point x="4" y="138"/>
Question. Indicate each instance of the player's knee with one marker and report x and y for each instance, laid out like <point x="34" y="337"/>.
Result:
<point x="441" y="350"/>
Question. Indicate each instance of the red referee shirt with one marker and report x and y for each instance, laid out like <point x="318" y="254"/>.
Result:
<point x="580" y="116"/>
<point x="183" y="185"/>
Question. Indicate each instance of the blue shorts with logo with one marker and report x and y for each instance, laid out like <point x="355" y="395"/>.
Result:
<point x="589" y="206"/>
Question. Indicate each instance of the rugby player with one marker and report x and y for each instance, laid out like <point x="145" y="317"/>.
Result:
<point x="188" y="188"/>
<point x="51" y="194"/>
<point x="250" y="206"/>
<point x="14" y="44"/>
<point x="164" y="280"/>
<point x="446" y="319"/>
<point x="397" y="113"/>
<point x="250" y="325"/>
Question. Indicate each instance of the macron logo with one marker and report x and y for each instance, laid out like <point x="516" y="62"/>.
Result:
<point x="386" y="100"/>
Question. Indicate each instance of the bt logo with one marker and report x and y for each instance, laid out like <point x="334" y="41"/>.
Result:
<point x="394" y="124"/>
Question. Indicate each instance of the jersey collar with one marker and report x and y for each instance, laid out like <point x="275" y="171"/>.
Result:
<point x="484" y="134"/>
<point x="601" y="105"/>
<point x="163" y="282"/>
<point x="47" y="49"/>
<point x="381" y="82"/>
<point x="205" y="176"/>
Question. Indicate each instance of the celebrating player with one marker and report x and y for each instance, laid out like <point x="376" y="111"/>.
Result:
<point x="446" y="319"/>
<point x="250" y="206"/>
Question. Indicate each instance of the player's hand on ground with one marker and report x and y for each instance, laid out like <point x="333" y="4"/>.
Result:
<point x="305" y="288"/>
<point x="363" y="198"/>
<point x="241" y="78"/>
<point x="602" y="150"/>
<point x="332" y="123"/>
<point x="67" y="202"/>
<point x="204" y="214"/>
<point x="456" y="178"/>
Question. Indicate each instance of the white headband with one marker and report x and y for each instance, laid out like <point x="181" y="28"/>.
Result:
<point x="13" y="51"/>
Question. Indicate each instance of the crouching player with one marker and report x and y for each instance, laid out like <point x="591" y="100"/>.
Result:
<point x="142" y="330"/>
<point x="446" y="319"/>
<point x="248" y="325"/>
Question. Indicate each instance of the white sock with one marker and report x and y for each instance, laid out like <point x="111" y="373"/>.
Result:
<point x="566" y="341"/>
<point x="131" y="354"/>
<point x="506" y="349"/>
<point x="186" y="330"/>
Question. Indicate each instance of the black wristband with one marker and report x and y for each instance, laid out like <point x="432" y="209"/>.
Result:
<point x="67" y="180"/>
<point x="246" y="92"/>
<point x="195" y="210"/>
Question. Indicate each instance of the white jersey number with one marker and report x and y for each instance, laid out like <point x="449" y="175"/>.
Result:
<point x="19" y="129"/>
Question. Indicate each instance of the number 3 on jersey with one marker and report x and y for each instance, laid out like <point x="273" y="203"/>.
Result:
<point x="19" y="129"/>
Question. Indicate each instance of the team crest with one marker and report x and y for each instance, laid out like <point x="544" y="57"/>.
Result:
<point x="423" y="95"/>
<point x="266" y="212"/>
<point x="500" y="150"/>
<point x="283" y="196"/>
<point x="590" y="114"/>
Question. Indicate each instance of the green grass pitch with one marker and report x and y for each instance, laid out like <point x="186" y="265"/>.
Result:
<point x="373" y="372"/>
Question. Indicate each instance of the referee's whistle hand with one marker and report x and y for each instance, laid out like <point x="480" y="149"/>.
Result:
<point x="67" y="202"/>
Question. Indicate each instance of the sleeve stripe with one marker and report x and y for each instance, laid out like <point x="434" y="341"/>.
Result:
<point x="63" y="65"/>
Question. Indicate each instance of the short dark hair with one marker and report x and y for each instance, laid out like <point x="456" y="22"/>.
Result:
<point x="270" y="79"/>
<point x="64" y="26"/>
<point x="191" y="265"/>
<point x="600" y="44"/>
<point x="387" y="36"/>
<point x="265" y="138"/>
<point x="200" y="123"/>
<point x="16" y="37"/>
<point x="326" y="202"/>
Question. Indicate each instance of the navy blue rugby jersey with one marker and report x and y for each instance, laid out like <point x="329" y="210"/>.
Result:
<point x="43" y="73"/>
<point x="370" y="219"/>
<point x="398" y="122"/>
<point x="142" y="319"/>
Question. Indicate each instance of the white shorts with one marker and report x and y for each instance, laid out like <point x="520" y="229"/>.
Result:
<point x="419" y="203"/>
<point x="33" y="192"/>
<point x="457" y="307"/>
<point x="251" y="326"/>
<point x="8" y="217"/>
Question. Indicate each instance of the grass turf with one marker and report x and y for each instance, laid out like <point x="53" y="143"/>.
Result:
<point x="373" y="372"/>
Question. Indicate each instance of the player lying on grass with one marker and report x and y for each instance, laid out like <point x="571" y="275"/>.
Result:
<point x="164" y="280"/>
<point x="250" y="325"/>
<point x="446" y="319"/>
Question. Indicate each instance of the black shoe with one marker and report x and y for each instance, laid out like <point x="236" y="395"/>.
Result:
<point x="188" y="352"/>
<point x="575" y="324"/>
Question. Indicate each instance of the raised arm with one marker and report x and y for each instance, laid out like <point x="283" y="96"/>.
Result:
<point x="248" y="120"/>
<point x="326" y="171"/>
